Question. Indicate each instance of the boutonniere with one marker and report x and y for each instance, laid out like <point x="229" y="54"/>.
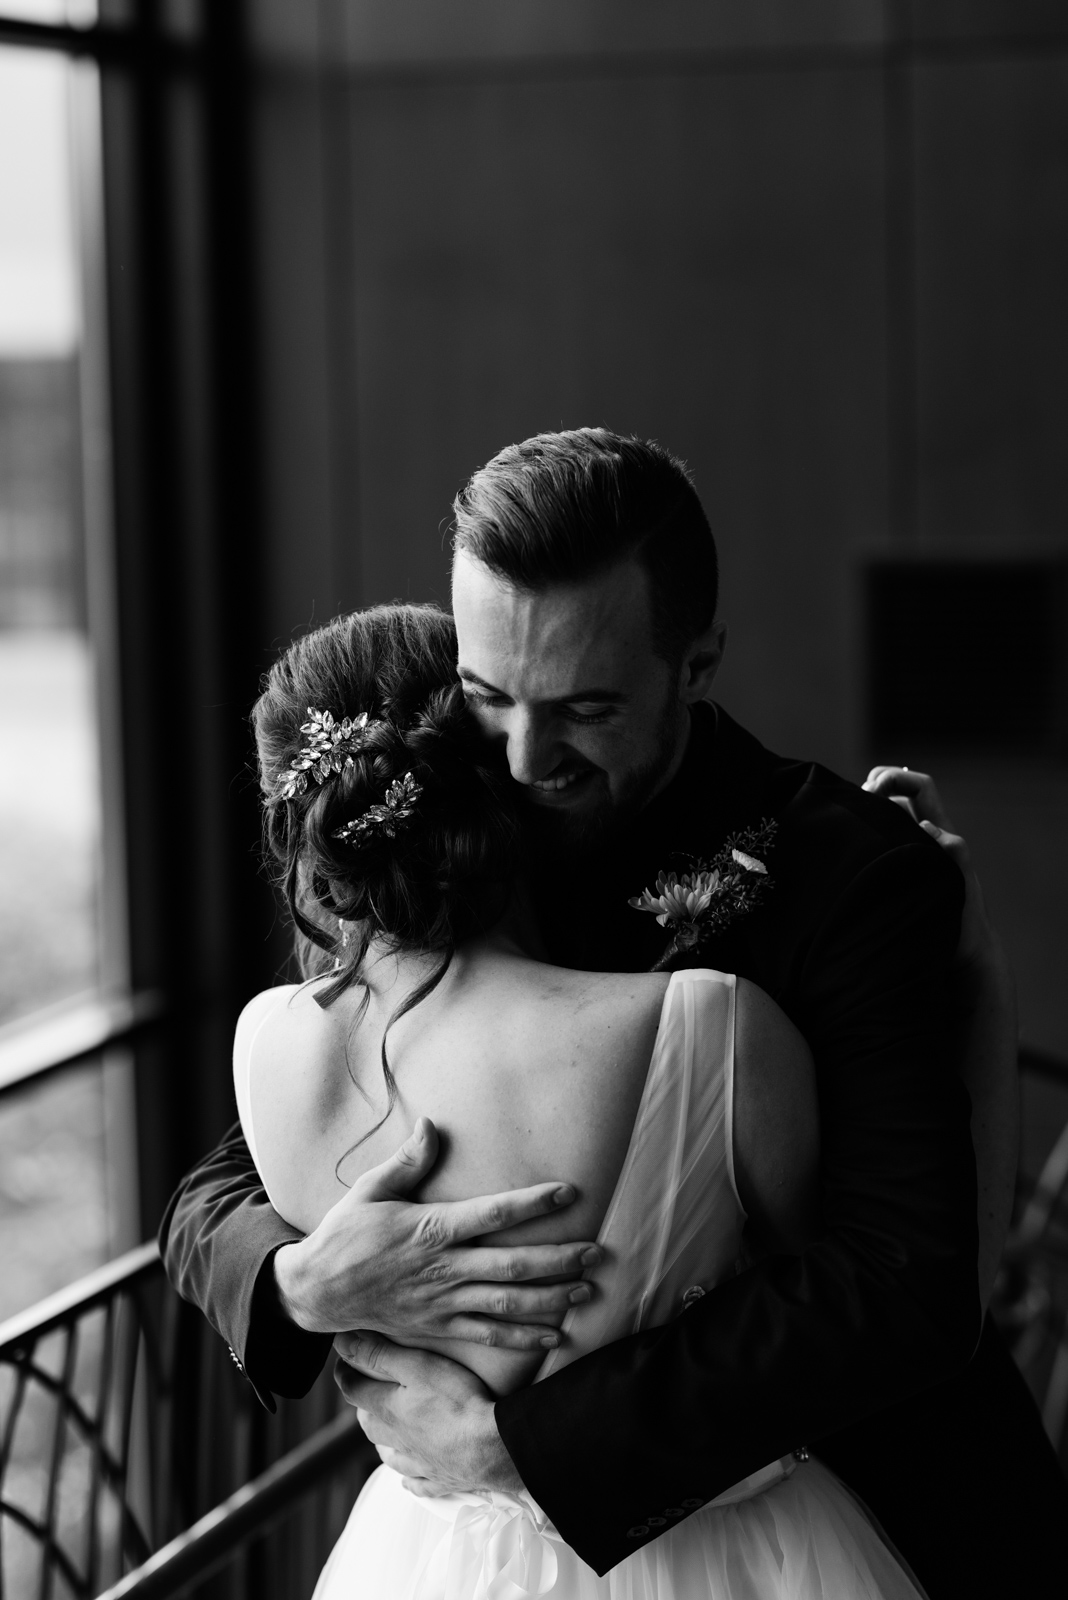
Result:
<point x="713" y="892"/>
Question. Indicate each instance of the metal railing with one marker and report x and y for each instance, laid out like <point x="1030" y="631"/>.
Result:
<point x="70" y="1370"/>
<point x="114" y="1397"/>
<point x="216" y="1539"/>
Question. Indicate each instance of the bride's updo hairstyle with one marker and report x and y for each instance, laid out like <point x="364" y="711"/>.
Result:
<point x="423" y="876"/>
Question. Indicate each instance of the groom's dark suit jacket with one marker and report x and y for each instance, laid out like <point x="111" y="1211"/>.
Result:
<point x="864" y="1348"/>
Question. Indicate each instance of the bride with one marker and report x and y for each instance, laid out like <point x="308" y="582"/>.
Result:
<point x="681" y="1108"/>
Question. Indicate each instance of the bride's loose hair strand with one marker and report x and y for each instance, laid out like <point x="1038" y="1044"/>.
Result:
<point x="444" y="873"/>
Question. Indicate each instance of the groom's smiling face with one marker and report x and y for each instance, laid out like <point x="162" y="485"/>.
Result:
<point x="566" y="680"/>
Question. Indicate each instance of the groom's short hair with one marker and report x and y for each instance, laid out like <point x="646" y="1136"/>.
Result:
<point x="562" y="507"/>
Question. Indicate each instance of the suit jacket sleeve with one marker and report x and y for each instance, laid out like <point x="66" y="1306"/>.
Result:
<point x="218" y="1238"/>
<point x="884" y="1304"/>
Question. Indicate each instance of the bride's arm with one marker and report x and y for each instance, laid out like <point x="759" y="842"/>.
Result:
<point x="986" y="1004"/>
<point x="776" y="1135"/>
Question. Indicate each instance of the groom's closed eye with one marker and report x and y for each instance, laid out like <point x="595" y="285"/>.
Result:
<point x="586" y="705"/>
<point x="573" y="714"/>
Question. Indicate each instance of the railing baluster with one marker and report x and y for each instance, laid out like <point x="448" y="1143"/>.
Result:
<point x="98" y="1446"/>
<point x="70" y="1351"/>
<point x="145" y="1331"/>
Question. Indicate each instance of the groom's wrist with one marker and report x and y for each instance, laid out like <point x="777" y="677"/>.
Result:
<point x="279" y="1355"/>
<point x="499" y="1470"/>
<point x="294" y="1288"/>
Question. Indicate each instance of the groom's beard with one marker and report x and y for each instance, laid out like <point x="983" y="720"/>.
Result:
<point x="557" y="833"/>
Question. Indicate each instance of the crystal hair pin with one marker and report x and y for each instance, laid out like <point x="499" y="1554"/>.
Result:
<point x="388" y="818"/>
<point x="331" y="746"/>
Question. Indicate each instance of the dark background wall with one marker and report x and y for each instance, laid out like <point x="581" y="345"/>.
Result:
<point x="818" y="250"/>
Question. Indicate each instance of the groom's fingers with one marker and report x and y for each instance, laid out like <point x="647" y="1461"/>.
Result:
<point x="500" y="1335"/>
<point x="425" y="1488"/>
<point x="452" y="1221"/>
<point x="401" y="1172"/>
<point x="391" y="1365"/>
<point x="379" y="1358"/>
<point x="520" y="1302"/>
<point x="523" y="1264"/>
<point x="373" y="1401"/>
<point x="399" y="1461"/>
<point x="515" y="1303"/>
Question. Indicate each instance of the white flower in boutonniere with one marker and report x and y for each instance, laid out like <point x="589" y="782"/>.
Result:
<point x="750" y="863"/>
<point x="697" y="903"/>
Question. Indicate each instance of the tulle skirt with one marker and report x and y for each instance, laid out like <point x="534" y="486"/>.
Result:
<point x="805" y="1538"/>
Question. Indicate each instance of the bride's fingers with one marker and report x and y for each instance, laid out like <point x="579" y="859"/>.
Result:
<point x="451" y="1221"/>
<point x="893" y="783"/>
<point x="916" y="791"/>
<point x="952" y="843"/>
<point x="877" y="774"/>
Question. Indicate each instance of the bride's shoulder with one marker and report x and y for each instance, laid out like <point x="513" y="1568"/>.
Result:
<point x="604" y="1002"/>
<point x="278" y="1023"/>
<point x="644" y="990"/>
<point x="259" y="1009"/>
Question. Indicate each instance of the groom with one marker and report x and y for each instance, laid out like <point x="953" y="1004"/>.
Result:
<point x="584" y="593"/>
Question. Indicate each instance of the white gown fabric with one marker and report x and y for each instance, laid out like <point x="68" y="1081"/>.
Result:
<point x="672" y="1229"/>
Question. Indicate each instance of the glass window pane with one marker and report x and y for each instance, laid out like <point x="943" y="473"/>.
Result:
<point x="78" y="13"/>
<point x="52" y="1134"/>
<point x="48" y="812"/>
<point x="53" y="1192"/>
<point x="49" y="809"/>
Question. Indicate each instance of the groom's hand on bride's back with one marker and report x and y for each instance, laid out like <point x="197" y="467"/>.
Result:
<point x="382" y="1261"/>
<point x="430" y="1419"/>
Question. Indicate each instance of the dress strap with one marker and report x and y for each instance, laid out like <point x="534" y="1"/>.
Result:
<point x="674" y="1221"/>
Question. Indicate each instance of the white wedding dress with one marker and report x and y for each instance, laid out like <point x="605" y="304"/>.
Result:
<point x="672" y="1230"/>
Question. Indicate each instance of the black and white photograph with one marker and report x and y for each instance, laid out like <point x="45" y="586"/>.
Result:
<point x="533" y="799"/>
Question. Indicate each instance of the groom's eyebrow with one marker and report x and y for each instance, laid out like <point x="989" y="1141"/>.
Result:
<point x="601" y="697"/>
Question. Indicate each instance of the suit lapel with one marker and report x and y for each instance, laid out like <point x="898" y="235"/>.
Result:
<point x="725" y="783"/>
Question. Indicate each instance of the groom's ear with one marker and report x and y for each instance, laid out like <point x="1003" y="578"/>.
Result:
<point x="701" y="663"/>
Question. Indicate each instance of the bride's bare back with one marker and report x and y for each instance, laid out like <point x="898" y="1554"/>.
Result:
<point x="530" y="1073"/>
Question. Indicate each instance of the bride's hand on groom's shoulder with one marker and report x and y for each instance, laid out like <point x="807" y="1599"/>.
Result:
<point x="409" y="1270"/>
<point x="430" y="1419"/>
<point x="917" y="793"/>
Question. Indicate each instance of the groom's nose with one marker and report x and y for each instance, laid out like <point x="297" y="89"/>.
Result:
<point x="533" y="750"/>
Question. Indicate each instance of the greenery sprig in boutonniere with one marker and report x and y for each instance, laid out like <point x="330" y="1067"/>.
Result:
<point x="712" y="893"/>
